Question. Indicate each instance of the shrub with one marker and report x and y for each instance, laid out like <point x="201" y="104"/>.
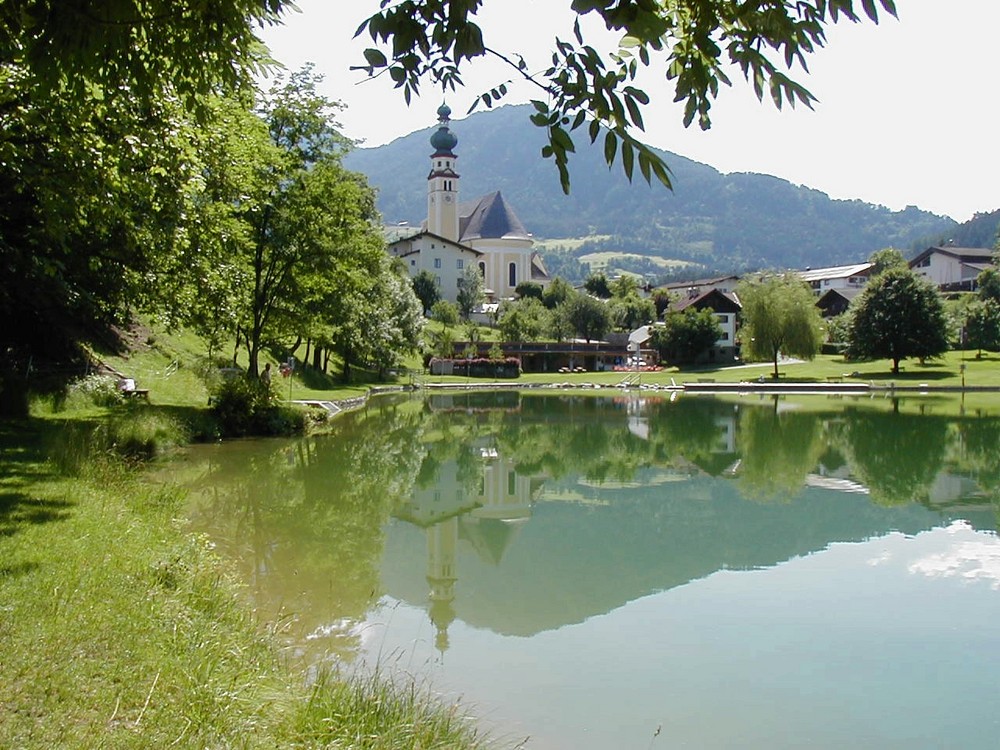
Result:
<point x="101" y="390"/>
<point x="244" y="406"/>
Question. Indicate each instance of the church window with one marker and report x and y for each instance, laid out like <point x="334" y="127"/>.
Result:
<point x="437" y="262"/>
<point x="482" y="269"/>
<point x="512" y="274"/>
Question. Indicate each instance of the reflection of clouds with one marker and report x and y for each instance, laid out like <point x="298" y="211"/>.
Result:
<point x="972" y="558"/>
<point x="885" y="557"/>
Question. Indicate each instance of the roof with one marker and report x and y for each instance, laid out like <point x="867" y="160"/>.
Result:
<point x="715" y="281"/>
<point x="538" y="270"/>
<point x="715" y="299"/>
<point x="490" y="217"/>
<point x="432" y="235"/>
<point x="829" y="297"/>
<point x="963" y="254"/>
<point x="834" y="272"/>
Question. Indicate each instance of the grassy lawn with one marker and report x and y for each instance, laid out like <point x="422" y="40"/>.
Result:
<point x="122" y="630"/>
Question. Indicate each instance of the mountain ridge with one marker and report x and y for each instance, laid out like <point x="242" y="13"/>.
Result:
<point x="719" y="221"/>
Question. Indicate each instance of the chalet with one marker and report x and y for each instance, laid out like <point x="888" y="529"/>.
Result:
<point x="952" y="268"/>
<point x="726" y="306"/>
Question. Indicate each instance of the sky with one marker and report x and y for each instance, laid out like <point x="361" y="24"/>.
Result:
<point x="907" y="115"/>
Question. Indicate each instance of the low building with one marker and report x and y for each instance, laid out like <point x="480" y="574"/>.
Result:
<point x="853" y="276"/>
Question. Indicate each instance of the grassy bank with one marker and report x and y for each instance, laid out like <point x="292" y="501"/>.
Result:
<point x="121" y="630"/>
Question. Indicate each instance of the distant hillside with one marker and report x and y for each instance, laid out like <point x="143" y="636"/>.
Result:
<point x="728" y="222"/>
<point x="982" y="230"/>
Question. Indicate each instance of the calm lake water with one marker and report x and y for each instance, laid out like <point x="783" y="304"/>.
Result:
<point x="633" y="572"/>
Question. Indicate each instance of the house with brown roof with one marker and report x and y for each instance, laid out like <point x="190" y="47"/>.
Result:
<point x="726" y="306"/>
<point x="952" y="268"/>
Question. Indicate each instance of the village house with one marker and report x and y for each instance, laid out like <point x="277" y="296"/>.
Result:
<point x="952" y="268"/>
<point x="726" y="306"/>
<point x="484" y="232"/>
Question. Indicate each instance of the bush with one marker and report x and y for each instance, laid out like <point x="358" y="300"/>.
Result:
<point x="101" y="390"/>
<point x="244" y="406"/>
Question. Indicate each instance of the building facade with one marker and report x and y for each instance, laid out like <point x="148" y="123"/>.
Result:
<point x="485" y="232"/>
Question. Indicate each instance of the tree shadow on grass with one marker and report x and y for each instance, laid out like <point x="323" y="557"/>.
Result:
<point x="18" y="510"/>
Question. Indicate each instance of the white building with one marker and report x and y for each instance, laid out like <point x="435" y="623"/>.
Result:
<point x="951" y="267"/>
<point x="822" y="280"/>
<point x="485" y="232"/>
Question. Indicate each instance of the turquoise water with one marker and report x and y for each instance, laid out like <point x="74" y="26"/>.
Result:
<point x="590" y="572"/>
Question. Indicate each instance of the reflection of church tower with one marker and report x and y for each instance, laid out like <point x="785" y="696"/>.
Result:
<point x="442" y="182"/>
<point x="442" y="542"/>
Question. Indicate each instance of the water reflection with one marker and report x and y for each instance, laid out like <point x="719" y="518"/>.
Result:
<point x="522" y="513"/>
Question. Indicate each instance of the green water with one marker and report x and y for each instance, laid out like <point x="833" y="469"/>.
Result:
<point x="634" y="572"/>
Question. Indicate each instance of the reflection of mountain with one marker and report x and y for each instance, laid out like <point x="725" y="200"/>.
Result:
<point x="574" y="561"/>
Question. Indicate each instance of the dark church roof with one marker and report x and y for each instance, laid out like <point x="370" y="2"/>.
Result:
<point x="490" y="217"/>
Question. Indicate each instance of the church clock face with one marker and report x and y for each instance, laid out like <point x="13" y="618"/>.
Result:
<point x="447" y="199"/>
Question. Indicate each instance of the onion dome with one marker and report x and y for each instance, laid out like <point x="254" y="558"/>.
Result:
<point x="443" y="139"/>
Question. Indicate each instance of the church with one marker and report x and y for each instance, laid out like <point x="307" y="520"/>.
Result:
<point x="484" y="234"/>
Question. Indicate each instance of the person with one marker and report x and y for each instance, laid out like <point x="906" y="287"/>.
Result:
<point x="265" y="377"/>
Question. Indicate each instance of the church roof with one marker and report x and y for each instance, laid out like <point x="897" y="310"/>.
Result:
<point x="490" y="217"/>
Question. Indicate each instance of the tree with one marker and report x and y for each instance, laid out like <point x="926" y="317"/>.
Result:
<point x="779" y="318"/>
<point x="523" y="320"/>
<point x="529" y="289"/>
<point x="982" y="325"/>
<point x="74" y="46"/>
<point x="557" y="292"/>
<point x="587" y="316"/>
<point x="631" y="311"/>
<point x="597" y="285"/>
<point x="988" y="284"/>
<point x="292" y="235"/>
<point x="426" y="288"/>
<point x="898" y="315"/>
<point x="695" y="41"/>
<point x="445" y="313"/>
<point x="883" y="260"/>
<point x="686" y="335"/>
<point x="471" y="291"/>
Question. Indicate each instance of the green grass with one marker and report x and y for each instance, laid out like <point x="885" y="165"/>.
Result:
<point x="122" y="630"/>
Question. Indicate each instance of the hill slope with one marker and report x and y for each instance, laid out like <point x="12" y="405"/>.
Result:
<point x="722" y="221"/>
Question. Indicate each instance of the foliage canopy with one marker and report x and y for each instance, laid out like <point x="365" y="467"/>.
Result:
<point x="694" y="42"/>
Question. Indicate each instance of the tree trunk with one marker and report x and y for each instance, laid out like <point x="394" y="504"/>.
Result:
<point x="895" y="367"/>
<point x="317" y="356"/>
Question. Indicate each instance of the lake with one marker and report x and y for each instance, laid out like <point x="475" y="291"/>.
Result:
<point x="643" y="572"/>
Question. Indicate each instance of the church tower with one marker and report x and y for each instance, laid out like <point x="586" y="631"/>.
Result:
<point x="442" y="182"/>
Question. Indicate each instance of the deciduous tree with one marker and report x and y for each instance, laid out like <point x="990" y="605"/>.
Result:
<point x="686" y="335"/>
<point x="779" y="317"/>
<point x="898" y="315"/>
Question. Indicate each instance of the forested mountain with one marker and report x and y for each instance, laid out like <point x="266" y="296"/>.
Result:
<point x="982" y="230"/>
<point x="720" y="221"/>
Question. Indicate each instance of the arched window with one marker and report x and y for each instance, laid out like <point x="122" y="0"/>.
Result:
<point x="482" y="269"/>
<point x="512" y="274"/>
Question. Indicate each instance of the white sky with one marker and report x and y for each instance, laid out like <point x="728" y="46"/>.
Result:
<point x="907" y="114"/>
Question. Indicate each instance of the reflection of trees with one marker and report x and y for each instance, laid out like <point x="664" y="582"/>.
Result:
<point x="306" y="518"/>
<point x="777" y="451"/>
<point x="896" y="455"/>
<point x="556" y="435"/>
<point x="690" y="427"/>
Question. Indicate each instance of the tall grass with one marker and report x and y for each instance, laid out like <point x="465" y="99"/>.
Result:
<point x="120" y="629"/>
